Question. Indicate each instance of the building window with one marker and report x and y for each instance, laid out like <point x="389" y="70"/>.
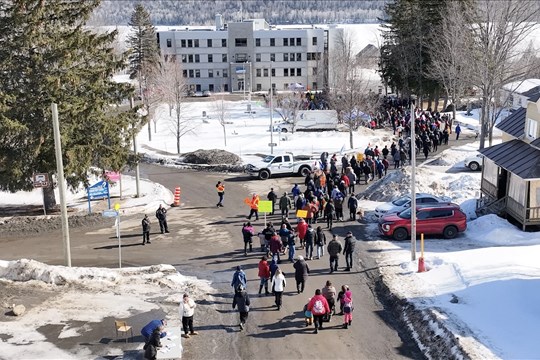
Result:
<point x="257" y="42"/>
<point x="210" y="58"/>
<point x="298" y="56"/>
<point x="211" y="87"/>
<point x="198" y="87"/>
<point x="291" y="71"/>
<point x="226" y="87"/>
<point x="210" y="73"/>
<point x="532" y="128"/>
<point x="298" y="42"/>
<point x="190" y="43"/>
<point x="272" y="42"/>
<point x="196" y="42"/>
<point x="285" y="72"/>
<point x="314" y="40"/>
<point x="285" y="42"/>
<point x="265" y="72"/>
<point x="272" y="57"/>
<point x="314" y="71"/>
<point x="183" y="43"/>
<point x="190" y="73"/>
<point x="286" y="86"/>
<point x="291" y="56"/>
<point x="225" y="74"/>
<point x="299" y="72"/>
<point x="184" y="73"/>
<point x="208" y="42"/>
<point x="190" y="58"/>
<point x="273" y="72"/>
<point x="197" y="58"/>
<point x="223" y="57"/>
<point x="197" y="73"/>
<point x="169" y="43"/>
<point x="286" y="57"/>
<point x="291" y="41"/>
<point x="258" y="57"/>
<point x="259" y="87"/>
<point x="223" y="42"/>
<point x="184" y="58"/>
<point x="314" y="86"/>
<point x="240" y="42"/>
<point x="258" y="73"/>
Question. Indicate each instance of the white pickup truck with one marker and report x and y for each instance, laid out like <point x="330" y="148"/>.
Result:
<point x="285" y="163"/>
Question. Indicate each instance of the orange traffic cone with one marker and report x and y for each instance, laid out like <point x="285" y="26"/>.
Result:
<point x="421" y="265"/>
<point x="177" y="192"/>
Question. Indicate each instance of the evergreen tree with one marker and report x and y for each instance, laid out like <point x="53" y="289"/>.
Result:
<point x="143" y="52"/>
<point x="46" y="56"/>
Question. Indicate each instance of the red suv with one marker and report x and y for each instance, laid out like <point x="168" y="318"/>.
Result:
<point x="445" y="219"/>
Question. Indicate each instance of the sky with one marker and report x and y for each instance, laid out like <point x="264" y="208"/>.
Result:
<point x="492" y="269"/>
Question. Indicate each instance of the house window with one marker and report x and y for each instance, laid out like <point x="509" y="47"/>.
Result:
<point x="272" y="42"/>
<point x="291" y="56"/>
<point x="299" y="72"/>
<point x="183" y="43"/>
<point x="285" y="42"/>
<point x="225" y="74"/>
<point x="197" y="73"/>
<point x="169" y="43"/>
<point x="259" y="87"/>
<point x="196" y="42"/>
<point x="257" y="42"/>
<point x="265" y="72"/>
<point x="223" y="57"/>
<point x="273" y="72"/>
<point x="226" y="87"/>
<point x="211" y="87"/>
<point x="240" y="42"/>
<point x="223" y="42"/>
<point x="291" y="41"/>
<point x="197" y="58"/>
<point x="190" y="58"/>
<point x="210" y="58"/>
<point x="285" y="72"/>
<point x="258" y="57"/>
<point x="190" y="73"/>
<point x="291" y="71"/>
<point x="258" y="73"/>
<point x="286" y="57"/>
<point x="208" y="42"/>
<point x="272" y="57"/>
<point x="190" y="43"/>
<point x="314" y="40"/>
<point x="198" y="87"/>
<point x="532" y="128"/>
<point x="298" y="56"/>
<point x="210" y="73"/>
<point x="298" y="42"/>
<point x="184" y="58"/>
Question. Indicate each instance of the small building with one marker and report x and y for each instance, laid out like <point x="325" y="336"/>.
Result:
<point x="514" y="95"/>
<point x="511" y="172"/>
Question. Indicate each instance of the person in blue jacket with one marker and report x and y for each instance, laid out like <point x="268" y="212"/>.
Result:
<point x="151" y="326"/>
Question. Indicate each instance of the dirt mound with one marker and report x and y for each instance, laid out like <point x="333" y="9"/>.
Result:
<point x="35" y="224"/>
<point x="211" y="157"/>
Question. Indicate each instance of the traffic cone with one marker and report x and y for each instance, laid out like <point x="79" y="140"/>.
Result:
<point x="177" y="192"/>
<point x="421" y="265"/>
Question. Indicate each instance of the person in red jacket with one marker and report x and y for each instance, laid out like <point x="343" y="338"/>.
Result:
<point x="318" y="305"/>
<point x="275" y="246"/>
<point x="264" y="275"/>
<point x="301" y="229"/>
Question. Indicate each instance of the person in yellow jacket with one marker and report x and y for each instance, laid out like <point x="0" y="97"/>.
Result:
<point x="220" y="187"/>
<point x="254" y="205"/>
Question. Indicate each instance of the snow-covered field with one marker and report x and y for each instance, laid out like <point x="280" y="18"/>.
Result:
<point x="491" y="271"/>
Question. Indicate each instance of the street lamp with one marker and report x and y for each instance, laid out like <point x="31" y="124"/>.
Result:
<point x="271" y="113"/>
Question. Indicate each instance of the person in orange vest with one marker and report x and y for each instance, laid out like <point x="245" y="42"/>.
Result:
<point x="254" y="204"/>
<point x="220" y="187"/>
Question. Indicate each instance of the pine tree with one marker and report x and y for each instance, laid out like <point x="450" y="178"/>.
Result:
<point x="46" y="56"/>
<point x="143" y="52"/>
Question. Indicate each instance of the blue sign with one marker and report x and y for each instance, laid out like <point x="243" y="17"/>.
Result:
<point x="110" y="213"/>
<point x="99" y="190"/>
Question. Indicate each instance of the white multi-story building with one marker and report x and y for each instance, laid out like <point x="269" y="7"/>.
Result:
<point x="251" y="55"/>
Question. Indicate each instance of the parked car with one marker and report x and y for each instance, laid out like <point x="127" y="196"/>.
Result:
<point x="474" y="163"/>
<point x="404" y="202"/>
<point x="446" y="219"/>
<point x="285" y="163"/>
<point x="206" y="93"/>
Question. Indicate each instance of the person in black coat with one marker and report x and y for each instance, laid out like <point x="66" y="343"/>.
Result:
<point x="301" y="271"/>
<point x="161" y="214"/>
<point x="241" y="300"/>
<point x="151" y="347"/>
<point x="348" y="250"/>
<point x="145" y="230"/>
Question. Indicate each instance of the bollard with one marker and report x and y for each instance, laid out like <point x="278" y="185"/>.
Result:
<point x="177" y="192"/>
<point x="421" y="265"/>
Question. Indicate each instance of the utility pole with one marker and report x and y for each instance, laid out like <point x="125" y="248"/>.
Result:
<point x="137" y="174"/>
<point x="412" y="123"/>
<point x="271" y="113"/>
<point x="61" y="184"/>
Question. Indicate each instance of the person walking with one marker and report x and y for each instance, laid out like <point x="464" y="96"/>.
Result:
<point x="161" y="214"/>
<point x="285" y="204"/>
<point x="264" y="275"/>
<point x="352" y="204"/>
<point x="340" y="298"/>
<point x="334" y="249"/>
<point x="276" y="246"/>
<point x="146" y="230"/>
<point x="239" y="278"/>
<point x="278" y="286"/>
<point x="329" y="293"/>
<point x="295" y="191"/>
<point x="309" y="240"/>
<point x="247" y="233"/>
<point x="301" y="229"/>
<point x="329" y="213"/>
<point x="254" y="207"/>
<point x="291" y="245"/>
<point x="220" y="187"/>
<point x="241" y="300"/>
<point x="458" y="131"/>
<point x="347" y="309"/>
<point x="272" y="196"/>
<point x="187" y="310"/>
<point x="320" y="241"/>
<point x="301" y="271"/>
<point x="350" y="242"/>
<point x="318" y="307"/>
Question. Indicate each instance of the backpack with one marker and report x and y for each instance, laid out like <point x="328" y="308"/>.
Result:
<point x="318" y="307"/>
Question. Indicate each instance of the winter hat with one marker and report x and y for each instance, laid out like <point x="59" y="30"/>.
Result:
<point x="238" y="268"/>
<point x="300" y="257"/>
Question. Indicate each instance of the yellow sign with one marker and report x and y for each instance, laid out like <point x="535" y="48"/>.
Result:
<point x="301" y="213"/>
<point x="117" y="206"/>
<point x="265" y="206"/>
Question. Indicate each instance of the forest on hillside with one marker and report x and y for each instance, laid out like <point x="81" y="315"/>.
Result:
<point x="276" y="12"/>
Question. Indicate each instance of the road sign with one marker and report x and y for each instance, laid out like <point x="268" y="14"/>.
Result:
<point x="41" y="180"/>
<point x="272" y="144"/>
<point x="265" y="206"/>
<point x="99" y="190"/>
<point x="109" y="213"/>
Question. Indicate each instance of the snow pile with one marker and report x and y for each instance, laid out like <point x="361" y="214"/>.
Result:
<point x="491" y="229"/>
<point x="455" y="156"/>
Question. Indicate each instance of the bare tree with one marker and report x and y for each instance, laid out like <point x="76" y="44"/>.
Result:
<point x="221" y="111"/>
<point x="288" y="107"/>
<point x="498" y="28"/>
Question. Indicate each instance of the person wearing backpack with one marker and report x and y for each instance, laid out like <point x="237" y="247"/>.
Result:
<point x="347" y="309"/>
<point x="318" y="307"/>
<point x="248" y="232"/>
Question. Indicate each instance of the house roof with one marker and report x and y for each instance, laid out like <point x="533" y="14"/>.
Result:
<point x="522" y="86"/>
<point x="514" y="124"/>
<point x="536" y="143"/>
<point x="515" y="156"/>
<point x="532" y="94"/>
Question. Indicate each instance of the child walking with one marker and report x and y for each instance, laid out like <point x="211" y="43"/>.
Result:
<point x="347" y="309"/>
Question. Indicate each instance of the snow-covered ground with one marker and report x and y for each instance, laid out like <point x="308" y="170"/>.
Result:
<point x="491" y="270"/>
